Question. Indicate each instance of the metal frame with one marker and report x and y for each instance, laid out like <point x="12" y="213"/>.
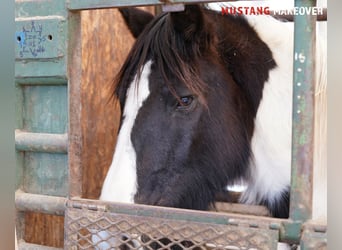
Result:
<point x="75" y="5"/>
<point x="297" y="229"/>
<point x="303" y="114"/>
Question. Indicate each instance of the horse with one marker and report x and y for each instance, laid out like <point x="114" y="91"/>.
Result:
<point x="206" y="103"/>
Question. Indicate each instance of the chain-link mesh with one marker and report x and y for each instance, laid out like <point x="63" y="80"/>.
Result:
<point x="95" y="228"/>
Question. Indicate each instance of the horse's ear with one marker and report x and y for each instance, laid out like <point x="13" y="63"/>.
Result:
<point x="136" y="19"/>
<point x="189" y="22"/>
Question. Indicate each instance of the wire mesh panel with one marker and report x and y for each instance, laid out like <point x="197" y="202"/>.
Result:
<point x="98" y="225"/>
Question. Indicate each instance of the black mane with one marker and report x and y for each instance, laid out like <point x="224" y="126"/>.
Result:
<point x="161" y="41"/>
<point x="227" y="39"/>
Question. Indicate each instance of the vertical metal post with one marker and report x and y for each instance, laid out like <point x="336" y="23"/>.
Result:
<point x="75" y="108"/>
<point x="303" y="113"/>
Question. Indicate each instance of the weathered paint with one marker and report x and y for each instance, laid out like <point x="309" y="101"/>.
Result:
<point x="314" y="237"/>
<point x="41" y="85"/>
<point x="27" y="79"/>
<point x="40" y="41"/>
<point x="303" y="115"/>
<point x="31" y="8"/>
<point x="19" y="123"/>
<point x="45" y="173"/>
<point x="290" y="231"/>
<point x="40" y="203"/>
<point x="179" y="214"/>
<point x="45" y="109"/>
<point x="75" y="108"/>
<point x="35" y="72"/>
<point x="41" y="142"/>
<point x="39" y="37"/>
<point x="245" y="231"/>
<point x="286" y="230"/>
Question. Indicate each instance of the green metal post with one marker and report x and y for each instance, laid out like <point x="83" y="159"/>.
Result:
<point x="42" y="103"/>
<point x="303" y="115"/>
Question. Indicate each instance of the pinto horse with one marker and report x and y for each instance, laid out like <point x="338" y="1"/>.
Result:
<point x="206" y="102"/>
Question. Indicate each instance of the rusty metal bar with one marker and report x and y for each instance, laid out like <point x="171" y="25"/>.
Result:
<point x="313" y="237"/>
<point x="74" y="93"/>
<point x="103" y="4"/>
<point x="178" y="214"/>
<point x="41" y="142"/>
<point x="303" y="115"/>
<point x="289" y="230"/>
<point x="36" y="80"/>
<point x="40" y="203"/>
<point x="29" y="246"/>
<point x="237" y="208"/>
<point x="167" y="5"/>
<point x="90" y="214"/>
<point x="204" y="230"/>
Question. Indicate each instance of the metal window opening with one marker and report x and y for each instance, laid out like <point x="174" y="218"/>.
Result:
<point x="146" y="227"/>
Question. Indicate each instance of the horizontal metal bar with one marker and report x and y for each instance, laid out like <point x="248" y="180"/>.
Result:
<point x="102" y="4"/>
<point x="176" y="213"/>
<point x="173" y="7"/>
<point x="41" y="142"/>
<point x="237" y="208"/>
<point x="313" y="237"/>
<point x="203" y="235"/>
<point x="49" y="80"/>
<point x="289" y="230"/>
<point x="29" y="246"/>
<point x="40" y="203"/>
<point x="38" y="70"/>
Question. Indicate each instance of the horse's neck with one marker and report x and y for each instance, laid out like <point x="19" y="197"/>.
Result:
<point x="273" y="120"/>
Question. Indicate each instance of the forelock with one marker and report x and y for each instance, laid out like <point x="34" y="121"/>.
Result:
<point x="172" y="56"/>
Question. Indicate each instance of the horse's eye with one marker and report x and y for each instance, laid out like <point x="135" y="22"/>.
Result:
<point x="185" y="101"/>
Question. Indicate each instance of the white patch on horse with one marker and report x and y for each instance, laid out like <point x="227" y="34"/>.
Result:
<point x="271" y="142"/>
<point x="120" y="184"/>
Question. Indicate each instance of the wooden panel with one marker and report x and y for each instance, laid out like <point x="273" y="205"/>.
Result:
<point x="47" y="229"/>
<point x="105" y="45"/>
